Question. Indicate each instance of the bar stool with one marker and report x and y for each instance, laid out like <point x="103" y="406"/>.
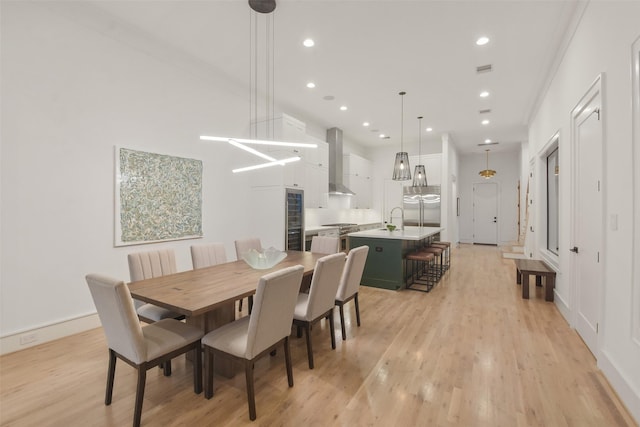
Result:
<point x="446" y="246"/>
<point x="422" y="264"/>
<point x="437" y="252"/>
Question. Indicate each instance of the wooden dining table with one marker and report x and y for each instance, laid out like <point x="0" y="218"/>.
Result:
<point x="207" y="296"/>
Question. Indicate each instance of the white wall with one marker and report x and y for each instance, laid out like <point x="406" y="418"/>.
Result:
<point x="507" y="167"/>
<point x="74" y="85"/>
<point x="601" y="44"/>
<point x="450" y="172"/>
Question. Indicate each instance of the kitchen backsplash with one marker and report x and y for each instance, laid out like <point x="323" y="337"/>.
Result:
<point x="332" y="216"/>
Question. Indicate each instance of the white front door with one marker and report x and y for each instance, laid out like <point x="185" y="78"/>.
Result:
<point x="485" y="213"/>
<point x="587" y="218"/>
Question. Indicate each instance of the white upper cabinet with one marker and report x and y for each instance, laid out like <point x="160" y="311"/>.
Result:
<point x="283" y="128"/>
<point x="357" y="177"/>
<point x="316" y="166"/>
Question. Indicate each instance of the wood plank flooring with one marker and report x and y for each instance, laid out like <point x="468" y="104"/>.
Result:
<point x="471" y="352"/>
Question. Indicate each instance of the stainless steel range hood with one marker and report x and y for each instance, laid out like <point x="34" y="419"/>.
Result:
<point x="334" y="138"/>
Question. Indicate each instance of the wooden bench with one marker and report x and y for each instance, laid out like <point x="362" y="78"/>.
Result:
<point x="526" y="267"/>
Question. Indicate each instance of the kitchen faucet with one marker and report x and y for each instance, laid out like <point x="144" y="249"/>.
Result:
<point x="402" y="216"/>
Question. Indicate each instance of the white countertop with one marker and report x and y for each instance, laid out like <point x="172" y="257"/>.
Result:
<point x="409" y="233"/>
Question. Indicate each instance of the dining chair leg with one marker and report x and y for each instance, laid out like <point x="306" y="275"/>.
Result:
<point x="197" y="369"/>
<point x="208" y="372"/>
<point x="333" y="331"/>
<point x="287" y="361"/>
<point x="342" y="327"/>
<point x="142" y="378"/>
<point x="307" y="330"/>
<point x="110" y="376"/>
<point x="298" y="331"/>
<point x="250" y="298"/>
<point x="355" y="300"/>
<point x="251" y="397"/>
<point x="166" y="367"/>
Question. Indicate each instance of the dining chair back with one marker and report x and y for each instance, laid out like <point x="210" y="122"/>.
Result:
<point x="207" y="255"/>
<point x="245" y="245"/>
<point x="146" y="265"/>
<point x="324" y="285"/>
<point x="350" y="283"/>
<point x="319" y="302"/>
<point x="325" y="245"/>
<point x="254" y="336"/>
<point x="141" y="347"/>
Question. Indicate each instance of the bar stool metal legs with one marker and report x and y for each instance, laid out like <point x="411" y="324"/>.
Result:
<point x="421" y="278"/>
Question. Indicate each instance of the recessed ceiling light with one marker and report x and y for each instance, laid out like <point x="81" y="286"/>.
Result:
<point x="484" y="94"/>
<point x="487" y="141"/>
<point x="485" y="122"/>
<point x="482" y="41"/>
<point x="429" y="129"/>
<point x="308" y="42"/>
<point x="311" y="85"/>
<point x="365" y="124"/>
<point x="382" y="135"/>
<point x="343" y="108"/>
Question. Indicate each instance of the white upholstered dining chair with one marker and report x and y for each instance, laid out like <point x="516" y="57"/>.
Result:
<point x="320" y="301"/>
<point x="325" y="245"/>
<point x="245" y="245"/>
<point x="350" y="283"/>
<point x="141" y="347"/>
<point x="145" y="265"/>
<point x="253" y="336"/>
<point x="207" y="255"/>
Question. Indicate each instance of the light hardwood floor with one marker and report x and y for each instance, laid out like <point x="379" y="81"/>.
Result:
<point x="471" y="352"/>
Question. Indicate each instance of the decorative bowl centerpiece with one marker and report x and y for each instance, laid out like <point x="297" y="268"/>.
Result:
<point x="265" y="259"/>
<point x="391" y="227"/>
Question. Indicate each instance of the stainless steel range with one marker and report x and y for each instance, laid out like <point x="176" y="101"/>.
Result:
<point x="344" y="228"/>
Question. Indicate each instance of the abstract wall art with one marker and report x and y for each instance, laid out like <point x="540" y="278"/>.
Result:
<point x="158" y="197"/>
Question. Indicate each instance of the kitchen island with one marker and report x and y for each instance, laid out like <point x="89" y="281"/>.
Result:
<point x="385" y="267"/>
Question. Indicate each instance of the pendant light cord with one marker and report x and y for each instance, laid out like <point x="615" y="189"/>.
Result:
<point x="420" y="140"/>
<point x="401" y="120"/>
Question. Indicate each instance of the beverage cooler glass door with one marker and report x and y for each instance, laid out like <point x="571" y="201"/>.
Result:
<point x="294" y="240"/>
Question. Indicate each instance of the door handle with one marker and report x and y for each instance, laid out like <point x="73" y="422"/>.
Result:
<point x="574" y="249"/>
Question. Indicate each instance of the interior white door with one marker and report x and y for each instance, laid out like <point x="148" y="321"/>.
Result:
<point x="485" y="213"/>
<point x="587" y="220"/>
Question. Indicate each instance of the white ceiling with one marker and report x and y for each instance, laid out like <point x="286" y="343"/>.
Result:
<point x="368" y="51"/>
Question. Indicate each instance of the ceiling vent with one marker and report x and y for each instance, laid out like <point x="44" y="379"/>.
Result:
<point x="485" y="111"/>
<point x="484" y="69"/>
<point x="487" y="143"/>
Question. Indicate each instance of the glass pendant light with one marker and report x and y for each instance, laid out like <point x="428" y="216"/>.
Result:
<point x="401" y="168"/>
<point x="420" y="174"/>
<point x="487" y="173"/>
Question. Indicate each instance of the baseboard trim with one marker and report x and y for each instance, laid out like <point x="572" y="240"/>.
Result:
<point x="629" y="397"/>
<point x="563" y="307"/>
<point x="33" y="337"/>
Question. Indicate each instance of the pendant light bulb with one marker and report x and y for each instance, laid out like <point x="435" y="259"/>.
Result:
<point x="402" y="172"/>
<point x="420" y="174"/>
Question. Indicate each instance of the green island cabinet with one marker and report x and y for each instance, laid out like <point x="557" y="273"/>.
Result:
<point x="385" y="267"/>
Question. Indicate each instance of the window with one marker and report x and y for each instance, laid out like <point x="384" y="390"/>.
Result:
<point x="553" y="174"/>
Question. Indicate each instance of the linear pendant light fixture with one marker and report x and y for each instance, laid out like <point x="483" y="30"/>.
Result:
<point x="487" y="173"/>
<point x="262" y="7"/>
<point x="420" y="174"/>
<point x="401" y="168"/>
